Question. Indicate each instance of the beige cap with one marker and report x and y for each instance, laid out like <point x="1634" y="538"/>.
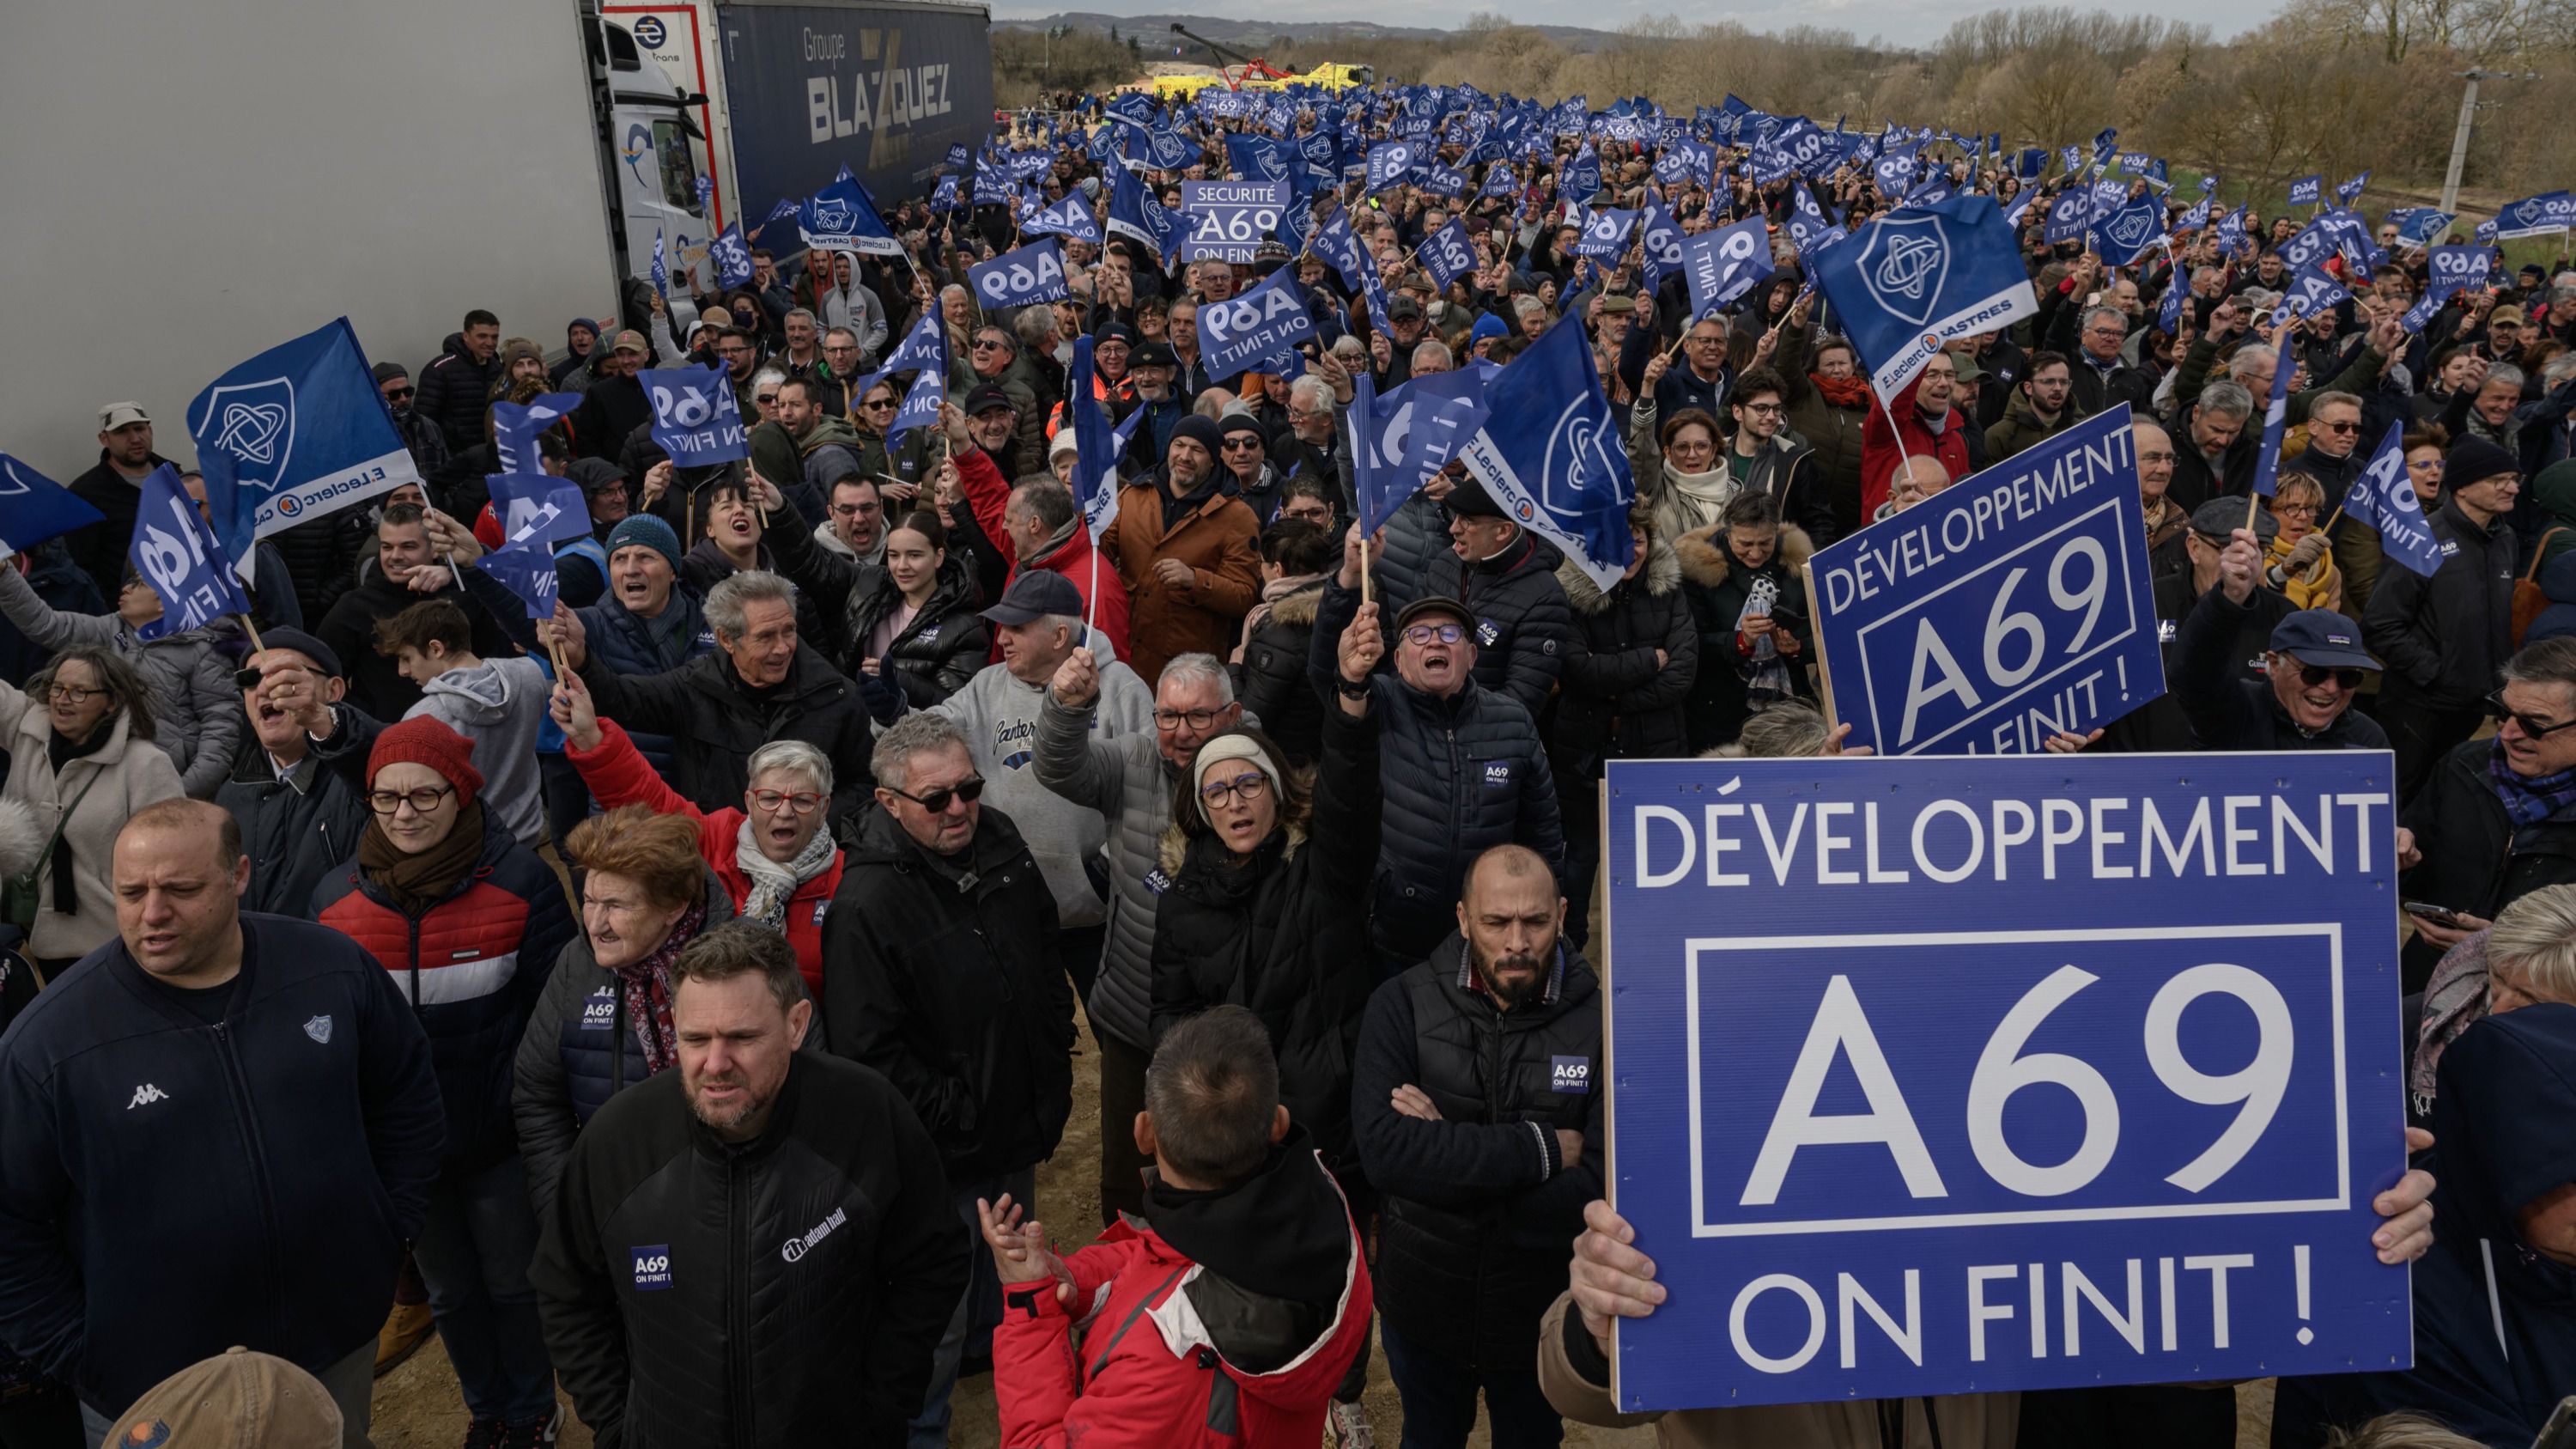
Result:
<point x="630" y="341"/>
<point x="117" y="414"/>
<point x="238" y="1400"/>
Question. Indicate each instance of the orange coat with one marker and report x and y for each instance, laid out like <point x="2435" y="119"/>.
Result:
<point x="1219" y="539"/>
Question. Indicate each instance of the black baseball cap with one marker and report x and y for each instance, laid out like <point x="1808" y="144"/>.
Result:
<point x="987" y="397"/>
<point x="1150" y="353"/>
<point x="2219" y="518"/>
<point x="2323" y="638"/>
<point x="1034" y="595"/>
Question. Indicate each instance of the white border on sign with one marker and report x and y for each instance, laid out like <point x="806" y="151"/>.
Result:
<point x="1701" y="1227"/>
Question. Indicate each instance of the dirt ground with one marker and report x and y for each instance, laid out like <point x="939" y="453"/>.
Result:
<point x="417" y="1405"/>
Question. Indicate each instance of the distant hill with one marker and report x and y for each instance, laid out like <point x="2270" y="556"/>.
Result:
<point x="1252" y="35"/>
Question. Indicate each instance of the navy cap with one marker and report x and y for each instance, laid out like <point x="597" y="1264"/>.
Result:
<point x="1034" y="595"/>
<point x="305" y="644"/>
<point x="1434" y="604"/>
<point x="2323" y="638"/>
<point x="2219" y="518"/>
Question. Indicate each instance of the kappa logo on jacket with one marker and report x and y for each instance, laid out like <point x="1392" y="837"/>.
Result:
<point x="146" y="1095"/>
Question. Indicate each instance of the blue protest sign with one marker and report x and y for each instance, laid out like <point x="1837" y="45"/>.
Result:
<point x="176" y="553"/>
<point x="2456" y="269"/>
<point x="1034" y="273"/>
<point x="2384" y="498"/>
<point x="1257" y="158"/>
<point x="1070" y="217"/>
<point x="1389" y="162"/>
<point x="2307" y="191"/>
<point x="1605" y="234"/>
<point x="1659" y="239"/>
<point x="1229" y="220"/>
<point x="1912" y="280"/>
<point x="943" y="197"/>
<point x="1722" y="265"/>
<point x="516" y="427"/>
<point x="2122" y="235"/>
<point x="2417" y="225"/>
<point x="1551" y="455"/>
<point x="1134" y="212"/>
<point x="539" y="506"/>
<point x="1919" y="1128"/>
<point x="1400" y="439"/>
<point x="1264" y="322"/>
<point x="34" y="508"/>
<point x="1448" y="254"/>
<point x="661" y="267"/>
<point x="731" y="256"/>
<point x="303" y="431"/>
<point x="526" y="568"/>
<point x="2068" y="215"/>
<point x="2008" y="607"/>
<point x="695" y="417"/>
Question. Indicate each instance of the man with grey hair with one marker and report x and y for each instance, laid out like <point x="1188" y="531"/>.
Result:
<point x="942" y="969"/>
<point x="761" y="684"/>
<point x="1128" y="780"/>
<point x="804" y="344"/>
<point x="1432" y="355"/>
<point x="1037" y="625"/>
<point x="2094" y="341"/>
<point x="2217" y="452"/>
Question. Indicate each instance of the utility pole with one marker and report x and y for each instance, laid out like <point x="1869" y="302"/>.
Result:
<point x="2468" y="122"/>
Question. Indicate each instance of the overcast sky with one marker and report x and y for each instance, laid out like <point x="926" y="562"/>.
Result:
<point x="1897" y="21"/>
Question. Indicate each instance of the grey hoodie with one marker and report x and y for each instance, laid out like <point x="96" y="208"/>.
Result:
<point x="498" y="705"/>
<point x="999" y="717"/>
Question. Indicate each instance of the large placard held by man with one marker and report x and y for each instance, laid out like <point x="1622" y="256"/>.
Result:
<point x="1892" y="1120"/>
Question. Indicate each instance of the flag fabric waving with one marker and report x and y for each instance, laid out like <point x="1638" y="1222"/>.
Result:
<point x="2384" y="498"/>
<point x="1551" y="456"/>
<point x="526" y="568"/>
<point x="177" y="555"/>
<point x="34" y="508"/>
<point x="1908" y="282"/>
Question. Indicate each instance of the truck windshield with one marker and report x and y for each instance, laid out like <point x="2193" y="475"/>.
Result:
<point x="679" y="166"/>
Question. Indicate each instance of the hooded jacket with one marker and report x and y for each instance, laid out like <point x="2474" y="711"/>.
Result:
<point x="471" y="967"/>
<point x="196" y="710"/>
<point x="2444" y="638"/>
<point x="1217" y="1320"/>
<point x="1617" y="702"/>
<point x="376" y="685"/>
<point x="718" y="721"/>
<point x="1272" y="679"/>
<point x="454" y="390"/>
<point x="1217" y="537"/>
<point x="2022" y="428"/>
<point x="101" y="548"/>
<point x="944" y="975"/>
<point x="2495" y="1320"/>
<point x="785" y="1291"/>
<point x="2230" y="712"/>
<point x="1518" y="613"/>
<point x="170" y="1187"/>
<point x="2558" y="582"/>
<point x="1275" y="933"/>
<point x="499" y="705"/>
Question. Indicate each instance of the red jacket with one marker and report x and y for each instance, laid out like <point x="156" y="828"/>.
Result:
<point x="617" y="775"/>
<point x="1146" y="1372"/>
<point x="987" y="491"/>
<point x="1880" y="453"/>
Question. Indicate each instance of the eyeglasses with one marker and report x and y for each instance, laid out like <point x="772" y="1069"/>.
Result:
<point x="1763" y="410"/>
<point x="802" y="802"/>
<point x="1198" y="719"/>
<point x="397" y="394"/>
<point x="2313" y="675"/>
<point x="2294" y="510"/>
<point x="1246" y="788"/>
<point x="937" y="801"/>
<point x="72" y="694"/>
<point x="421" y="801"/>
<point x="2529" y="726"/>
<point x="1428" y="634"/>
<point x="766" y="399"/>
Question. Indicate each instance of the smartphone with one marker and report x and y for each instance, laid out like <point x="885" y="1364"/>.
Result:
<point x="2560" y="1431"/>
<point x="2438" y="915"/>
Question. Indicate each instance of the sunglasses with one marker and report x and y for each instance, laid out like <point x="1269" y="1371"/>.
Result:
<point x="875" y="405"/>
<point x="2339" y="429"/>
<point x="766" y="399"/>
<point x="1242" y="445"/>
<point x="397" y="394"/>
<point x="2529" y="726"/>
<point x="2312" y="675"/>
<point x="936" y="802"/>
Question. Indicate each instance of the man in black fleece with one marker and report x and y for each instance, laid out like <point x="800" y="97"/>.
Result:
<point x="757" y="1248"/>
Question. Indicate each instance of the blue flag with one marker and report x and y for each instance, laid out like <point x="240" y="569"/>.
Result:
<point x="539" y="506"/>
<point x="1551" y="456"/>
<point x="34" y="508"/>
<point x="1581" y="179"/>
<point x="1340" y="248"/>
<point x="1605" y="234"/>
<point x="943" y="197"/>
<point x="1659" y="237"/>
<point x="731" y="256"/>
<point x="926" y="345"/>
<point x="2384" y="498"/>
<point x="661" y="267"/>
<point x="1373" y="290"/>
<point x="1034" y="273"/>
<point x="926" y="349"/>
<point x="1095" y="461"/>
<point x="1448" y="254"/>
<point x="2311" y="291"/>
<point x="843" y="218"/>
<point x="1236" y="335"/>
<point x="177" y="555"/>
<point x="1389" y="162"/>
<point x="1908" y="282"/>
<point x="1134" y="212"/>
<point x="1070" y="217"/>
<point x="303" y="431"/>
<point x="2123" y="235"/>
<point x="527" y="569"/>
<point x="2276" y="415"/>
<point x="695" y="417"/>
<point x="2350" y="191"/>
<point x="1722" y="265"/>
<point x="1401" y="439"/>
<point x="2307" y="191"/>
<point x="516" y="427"/>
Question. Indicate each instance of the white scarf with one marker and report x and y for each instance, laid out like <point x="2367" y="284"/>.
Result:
<point x="773" y="884"/>
<point x="1695" y="500"/>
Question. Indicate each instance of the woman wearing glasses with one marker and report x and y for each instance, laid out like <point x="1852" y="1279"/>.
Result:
<point x="468" y="923"/>
<point x="79" y="741"/>
<point x="777" y="863"/>
<point x="2301" y="567"/>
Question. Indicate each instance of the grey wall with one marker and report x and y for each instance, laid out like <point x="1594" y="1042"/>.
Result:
<point x="182" y="185"/>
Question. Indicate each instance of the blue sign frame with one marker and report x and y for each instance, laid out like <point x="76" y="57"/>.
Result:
<point x="2011" y="606"/>
<point x="1892" y="1120"/>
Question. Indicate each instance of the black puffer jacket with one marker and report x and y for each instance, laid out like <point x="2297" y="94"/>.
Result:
<point x="785" y="1291"/>
<point x="298" y="827"/>
<point x="1276" y="934"/>
<point x="2444" y="638"/>
<point x="1522" y="625"/>
<point x="2230" y="712"/>
<point x="718" y="721"/>
<point x="454" y="390"/>
<point x="1415" y="534"/>
<point x="1273" y="684"/>
<point x="2475" y="861"/>
<point x="1618" y="703"/>
<point x="322" y="555"/>
<point x="1461" y="775"/>
<point x="932" y="657"/>
<point x="944" y="975"/>
<point x="1479" y="1205"/>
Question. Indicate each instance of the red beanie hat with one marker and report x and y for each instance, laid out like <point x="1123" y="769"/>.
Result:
<point x="426" y="741"/>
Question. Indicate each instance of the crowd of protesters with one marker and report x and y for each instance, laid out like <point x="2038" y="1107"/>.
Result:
<point x="683" y="1031"/>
